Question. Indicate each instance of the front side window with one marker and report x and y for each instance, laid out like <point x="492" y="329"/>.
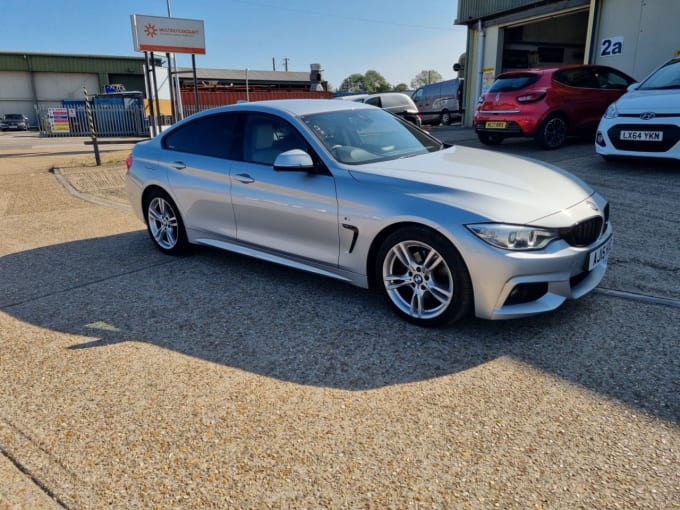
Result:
<point x="611" y="79"/>
<point x="266" y="137"/>
<point x="215" y="136"/>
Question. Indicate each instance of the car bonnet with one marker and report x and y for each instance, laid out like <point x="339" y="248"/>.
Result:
<point x="657" y="101"/>
<point x="492" y="185"/>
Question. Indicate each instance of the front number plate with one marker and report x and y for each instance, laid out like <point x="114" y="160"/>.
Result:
<point x="495" y="125"/>
<point x="642" y="136"/>
<point x="599" y="255"/>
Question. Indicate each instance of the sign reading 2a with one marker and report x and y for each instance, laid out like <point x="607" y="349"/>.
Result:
<point x="611" y="46"/>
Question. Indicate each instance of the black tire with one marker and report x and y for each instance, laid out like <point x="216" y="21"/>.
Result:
<point x="423" y="277"/>
<point x="490" y="138"/>
<point x="446" y="118"/>
<point x="164" y="223"/>
<point x="552" y="134"/>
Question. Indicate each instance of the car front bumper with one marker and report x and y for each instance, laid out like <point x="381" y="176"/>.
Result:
<point x="623" y="136"/>
<point x="512" y="284"/>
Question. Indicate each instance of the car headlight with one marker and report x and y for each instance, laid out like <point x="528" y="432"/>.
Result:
<point x="612" y="112"/>
<point x="514" y="237"/>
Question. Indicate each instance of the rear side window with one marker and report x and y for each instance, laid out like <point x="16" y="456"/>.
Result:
<point x="514" y="82"/>
<point x="580" y="77"/>
<point x="216" y="136"/>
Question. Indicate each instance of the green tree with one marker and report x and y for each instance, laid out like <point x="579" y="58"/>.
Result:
<point x="401" y="87"/>
<point x="371" y="82"/>
<point x="353" y="83"/>
<point x="375" y="82"/>
<point x="425" y="77"/>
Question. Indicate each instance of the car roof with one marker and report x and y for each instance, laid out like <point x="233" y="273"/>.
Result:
<point x="550" y="70"/>
<point x="294" y="107"/>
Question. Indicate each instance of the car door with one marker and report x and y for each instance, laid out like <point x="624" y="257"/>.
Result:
<point x="200" y="154"/>
<point x="295" y="212"/>
<point x="612" y="85"/>
<point x="578" y="95"/>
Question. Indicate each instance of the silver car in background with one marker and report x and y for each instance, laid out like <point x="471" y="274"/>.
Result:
<point x="349" y="191"/>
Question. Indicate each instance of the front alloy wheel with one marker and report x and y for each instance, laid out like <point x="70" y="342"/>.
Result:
<point x="423" y="277"/>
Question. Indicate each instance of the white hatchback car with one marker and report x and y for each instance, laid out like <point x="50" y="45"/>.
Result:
<point x="644" y="122"/>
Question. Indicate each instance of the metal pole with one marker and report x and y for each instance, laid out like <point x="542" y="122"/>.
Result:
<point x="247" y="87"/>
<point x="155" y="88"/>
<point x="193" y="66"/>
<point x="93" y="133"/>
<point x="172" y="90"/>
<point x="178" y="113"/>
<point x="149" y="94"/>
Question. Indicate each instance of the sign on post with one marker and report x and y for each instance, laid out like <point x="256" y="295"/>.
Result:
<point x="58" y="120"/>
<point x="168" y="35"/>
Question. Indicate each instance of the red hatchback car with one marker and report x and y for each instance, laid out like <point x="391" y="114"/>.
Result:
<point x="548" y="104"/>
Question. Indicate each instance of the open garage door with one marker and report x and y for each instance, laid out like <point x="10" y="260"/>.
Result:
<point x="558" y="39"/>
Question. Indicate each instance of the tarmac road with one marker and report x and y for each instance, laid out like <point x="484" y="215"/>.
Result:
<point x="134" y="380"/>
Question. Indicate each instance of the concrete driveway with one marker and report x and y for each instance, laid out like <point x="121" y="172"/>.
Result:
<point x="135" y="380"/>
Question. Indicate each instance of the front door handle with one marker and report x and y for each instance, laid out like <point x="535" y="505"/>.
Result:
<point x="178" y="165"/>
<point x="244" y="178"/>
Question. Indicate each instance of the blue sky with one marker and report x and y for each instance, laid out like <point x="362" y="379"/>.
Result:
<point x="397" y="38"/>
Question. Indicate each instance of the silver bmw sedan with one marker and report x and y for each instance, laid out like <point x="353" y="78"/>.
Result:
<point x="349" y="191"/>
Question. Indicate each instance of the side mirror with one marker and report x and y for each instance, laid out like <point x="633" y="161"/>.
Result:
<point x="294" y="160"/>
<point x="633" y="86"/>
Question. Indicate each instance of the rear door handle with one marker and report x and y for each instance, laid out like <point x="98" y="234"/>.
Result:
<point x="244" y="178"/>
<point x="178" y="165"/>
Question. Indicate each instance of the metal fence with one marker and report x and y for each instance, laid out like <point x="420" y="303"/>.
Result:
<point x="106" y="121"/>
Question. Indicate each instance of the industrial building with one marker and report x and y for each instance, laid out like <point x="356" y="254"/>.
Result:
<point x="635" y="36"/>
<point x="50" y="90"/>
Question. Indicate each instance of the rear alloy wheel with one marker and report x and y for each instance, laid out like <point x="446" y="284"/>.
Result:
<point x="553" y="132"/>
<point x="423" y="277"/>
<point x="446" y="118"/>
<point x="164" y="224"/>
<point x="490" y="138"/>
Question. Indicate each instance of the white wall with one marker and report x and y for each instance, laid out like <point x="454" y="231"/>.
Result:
<point x="16" y="85"/>
<point x="649" y="30"/>
<point x="58" y="86"/>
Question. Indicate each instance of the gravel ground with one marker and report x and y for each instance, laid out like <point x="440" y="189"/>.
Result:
<point x="134" y="380"/>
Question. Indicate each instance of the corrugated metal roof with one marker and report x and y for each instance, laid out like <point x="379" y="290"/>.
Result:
<point x="472" y="10"/>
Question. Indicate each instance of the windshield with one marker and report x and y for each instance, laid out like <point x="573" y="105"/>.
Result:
<point x="363" y="136"/>
<point x="666" y="77"/>
<point x="13" y="116"/>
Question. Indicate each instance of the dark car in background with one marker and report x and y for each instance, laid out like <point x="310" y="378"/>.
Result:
<point x="440" y="102"/>
<point x="16" y="121"/>
<point x="548" y="104"/>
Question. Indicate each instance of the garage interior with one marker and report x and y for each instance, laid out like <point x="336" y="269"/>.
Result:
<point x="549" y="41"/>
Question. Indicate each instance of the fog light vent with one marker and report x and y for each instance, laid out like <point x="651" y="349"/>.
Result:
<point x="526" y="292"/>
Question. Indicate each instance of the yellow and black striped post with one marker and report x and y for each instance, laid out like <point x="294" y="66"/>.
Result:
<point x="93" y="133"/>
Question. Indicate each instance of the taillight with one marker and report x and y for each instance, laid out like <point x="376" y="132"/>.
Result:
<point x="531" y="98"/>
<point x="128" y="161"/>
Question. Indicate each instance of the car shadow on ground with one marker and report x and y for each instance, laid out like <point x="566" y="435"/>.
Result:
<point x="297" y="327"/>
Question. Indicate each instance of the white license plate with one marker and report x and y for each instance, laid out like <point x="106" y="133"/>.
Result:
<point x="599" y="255"/>
<point x="642" y="136"/>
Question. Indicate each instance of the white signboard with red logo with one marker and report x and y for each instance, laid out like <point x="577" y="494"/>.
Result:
<point x="168" y="35"/>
